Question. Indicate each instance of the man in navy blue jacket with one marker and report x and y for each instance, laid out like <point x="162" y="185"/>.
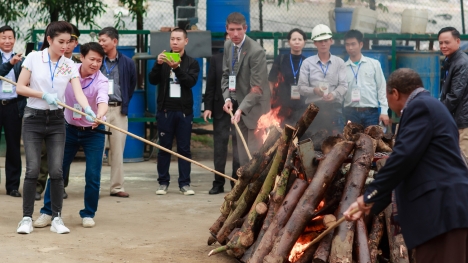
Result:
<point x="121" y="72"/>
<point x="428" y="174"/>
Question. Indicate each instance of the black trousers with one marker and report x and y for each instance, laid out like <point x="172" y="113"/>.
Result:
<point x="11" y="123"/>
<point x="450" y="247"/>
<point x="222" y="128"/>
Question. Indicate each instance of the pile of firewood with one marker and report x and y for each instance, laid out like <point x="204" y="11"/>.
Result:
<point x="286" y="196"/>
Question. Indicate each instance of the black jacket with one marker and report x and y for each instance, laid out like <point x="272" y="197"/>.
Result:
<point x="5" y="68"/>
<point x="427" y="172"/>
<point x="186" y="73"/>
<point x="454" y="90"/>
<point x="214" y="100"/>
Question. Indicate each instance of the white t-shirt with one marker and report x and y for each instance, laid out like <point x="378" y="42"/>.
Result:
<point x="41" y="77"/>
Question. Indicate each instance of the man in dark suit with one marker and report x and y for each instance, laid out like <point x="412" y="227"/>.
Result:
<point x="428" y="173"/>
<point x="11" y="109"/>
<point x="214" y="103"/>
<point x="244" y="83"/>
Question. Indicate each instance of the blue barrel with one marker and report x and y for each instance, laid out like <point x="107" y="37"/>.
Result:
<point x="151" y="90"/>
<point x="382" y="57"/>
<point x="426" y="63"/>
<point x="197" y="91"/>
<point x="343" y="18"/>
<point x="337" y="50"/>
<point x="218" y="10"/>
<point x="134" y="148"/>
<point x="127" y="50"/>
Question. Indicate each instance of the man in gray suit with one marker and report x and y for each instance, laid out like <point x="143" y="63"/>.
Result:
<point x="244" y="83"/>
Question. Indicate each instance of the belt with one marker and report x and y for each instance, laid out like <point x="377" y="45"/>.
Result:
<point x="114" y="103"/>
<point x="88" y="129"/>
<point x="6" y="102"/>
<point x="361" y="109"/>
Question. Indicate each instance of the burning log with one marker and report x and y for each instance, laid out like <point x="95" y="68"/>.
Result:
<point x="333" y="195"/>
<point x="264" y="245"/>
<point x="306" y="119"/>
<point x="301" y="246"/>
<point x="329" y="142"/>
<point x="308" y="254"/>
<point x="310" y="199"/>
<point x="375" y="235"/>
<point x="323" y="249"/>
<point x="352" y="130"/>
<point x="374" y="131"/>
<point x="361" y="243"/>
<point x="344" y="234"/>
<point x="398" y="250"/>
<point x="320" y="223"/>
<point x="383" y="147"/>
<point x="389" y="140"/>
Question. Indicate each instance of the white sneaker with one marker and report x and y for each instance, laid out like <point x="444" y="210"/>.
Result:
<point x="162" y="190"/>
<point x="43" y="221"/>
<point x="88" y="222"/>
<point x="186" y="190"/>
<point x="25" y="226"/>
<point x="58" y="226"/>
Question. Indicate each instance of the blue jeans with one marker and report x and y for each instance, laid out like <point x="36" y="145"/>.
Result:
<point x="93" y="146"/>
<point x="367" y="117"/>
<point x="39" y="126"/>
<point x="170" y="124"/>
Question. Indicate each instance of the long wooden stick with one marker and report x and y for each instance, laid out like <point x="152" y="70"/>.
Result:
<point x="242" y="137"/>
<point x="138" y="138"/>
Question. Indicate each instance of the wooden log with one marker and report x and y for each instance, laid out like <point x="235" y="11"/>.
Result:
<point x="323" y="250"/>
<point x="352" y="130"/>
<point x="329" y="142"/>
<point x="360" y="242"/>
<point x="398" y="250"/>
<point x="301" y="246"/>
<point x="309" y="201"/>
<point x="383" y="147"/>
<point x="333" y="195"/>
<point x="306" y="119"/>
<point x="320" y="223"/>
<point x="234" y="231"/>
<point x="308" y="254"/>
<point x="389" y="140"/>
<point x="342" y="244"/>
<point x="261" y="208"/>
<point x="375" y="236"/>
<point x="374" y="131"/>
<point x="264" y="245"/>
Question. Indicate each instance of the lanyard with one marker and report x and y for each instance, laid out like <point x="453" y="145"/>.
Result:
<point x="295" y="71"/>
<point x="234" y="60"/>
<point x="357" y="71"/>
<point x="52" y="74"/>
<point x="89" y="83"/>
<point x="7" y="59"/>
<point x="326" y="69"/>
<point x="108" y="71"/>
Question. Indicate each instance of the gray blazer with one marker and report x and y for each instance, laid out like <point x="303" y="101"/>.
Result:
<point x="252" y="88"/>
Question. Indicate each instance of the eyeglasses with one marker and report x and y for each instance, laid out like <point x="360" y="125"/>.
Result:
<point x="322" y="34"/>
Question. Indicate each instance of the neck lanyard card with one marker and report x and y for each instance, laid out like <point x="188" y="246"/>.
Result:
<point x="294" y="88"/>
<point x="111" y="81"/>
<point x="111" y="87"/>
<point x="232" y="83"/>
<point x="355" y="92"/>
<point x="174" y="85"/>
<point x="7" y="87"/>
<point x="77" y="116"/>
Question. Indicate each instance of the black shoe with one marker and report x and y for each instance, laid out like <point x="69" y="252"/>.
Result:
<point x="14" y="193"/>
<point x="216" y="190"/>
<point x="65" y="195"/>
<point x="38" y="196"/>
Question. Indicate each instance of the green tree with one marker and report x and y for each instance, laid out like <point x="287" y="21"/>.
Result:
<point x="138" y="10"/>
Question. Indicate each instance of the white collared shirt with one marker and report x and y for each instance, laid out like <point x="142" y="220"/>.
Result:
<point x="6" y="57"/>
<point x="370" y="82"/>
<point x="239" y="46"/>
<point x="38" y="64"/>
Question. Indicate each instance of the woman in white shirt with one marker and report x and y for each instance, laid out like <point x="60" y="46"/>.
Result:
<point x="47" y="72"/>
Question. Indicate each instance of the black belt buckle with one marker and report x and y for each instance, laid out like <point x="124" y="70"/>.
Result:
<point x="5" y="102"/>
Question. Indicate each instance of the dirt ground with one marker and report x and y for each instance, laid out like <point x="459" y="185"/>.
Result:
<point x="142" y="228"/>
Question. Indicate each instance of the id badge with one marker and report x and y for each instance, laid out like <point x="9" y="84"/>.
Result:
<point x="174" y="91"/>
<point x="295" y="92"/>
<point x="111" y="87"/>
<point x="355" y="95"/>
<point x="324" y="87"/>
<point x="232" y="83"/>
<point x="7" y="87"/>
<point x="77" y="116"/>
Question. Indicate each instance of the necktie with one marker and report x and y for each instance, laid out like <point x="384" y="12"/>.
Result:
<point x="236" y="58"/>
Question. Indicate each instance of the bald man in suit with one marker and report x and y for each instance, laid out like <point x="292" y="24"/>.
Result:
<point x="245" y="83"/>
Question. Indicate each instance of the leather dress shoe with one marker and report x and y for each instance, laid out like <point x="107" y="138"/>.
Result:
<point x="216" y="190"/>
<point x="38" y="196"/>
<point x="65" y="195"/>
<point x="14" y="193"/>
<point x="121" y="194"/>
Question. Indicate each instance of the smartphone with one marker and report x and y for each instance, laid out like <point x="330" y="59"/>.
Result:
<point x="173" y="56"/>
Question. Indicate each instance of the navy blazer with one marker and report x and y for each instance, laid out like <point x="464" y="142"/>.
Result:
<point x="428" y="172"/>
<point x="214" y="100"/>
<point x="5" y="68"/>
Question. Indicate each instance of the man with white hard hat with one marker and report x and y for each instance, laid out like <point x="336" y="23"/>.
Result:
<point x="323" y="82"/>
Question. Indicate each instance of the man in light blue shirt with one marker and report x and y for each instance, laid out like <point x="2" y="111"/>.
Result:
<point x="366" y="85"/>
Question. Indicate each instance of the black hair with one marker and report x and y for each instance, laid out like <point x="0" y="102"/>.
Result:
<point x="353" y="33"/>
<point x="54" y="29"/>
<point x="110" y="32"/>
<point x="7" y="28"/>
<point x="300" y="31"/>
<point x="178" y="29"/>
<point x="92" y="46"/>
<point x="405" y="80"/>
<point x="453" y="30"/>
<point x="75" y="32"/>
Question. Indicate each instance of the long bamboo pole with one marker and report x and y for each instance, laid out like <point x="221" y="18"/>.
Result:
<point x="242" y="137"/>
<point x="139" y="138"/>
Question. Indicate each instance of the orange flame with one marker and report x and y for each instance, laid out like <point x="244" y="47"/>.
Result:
<point x="300" y="246"/>
<point x="266" y="120"/>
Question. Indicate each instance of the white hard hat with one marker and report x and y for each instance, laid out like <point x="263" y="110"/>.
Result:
<point x="321" y="32"/>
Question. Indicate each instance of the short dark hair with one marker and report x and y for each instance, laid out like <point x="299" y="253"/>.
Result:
<point x="75" y="32"/>
<point x="110" y="32"/>
<point x="7" y="28"/>
<point x="92" y="46"/>
<point x="300" y="31"/>
<point x="236" y="18"/>
<point x="178" y="29"/>
<point x="451" y="29"/>
<point x="405" y="80"/>
<point x="54" y="29"/>
<point x="353" y="33"/>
